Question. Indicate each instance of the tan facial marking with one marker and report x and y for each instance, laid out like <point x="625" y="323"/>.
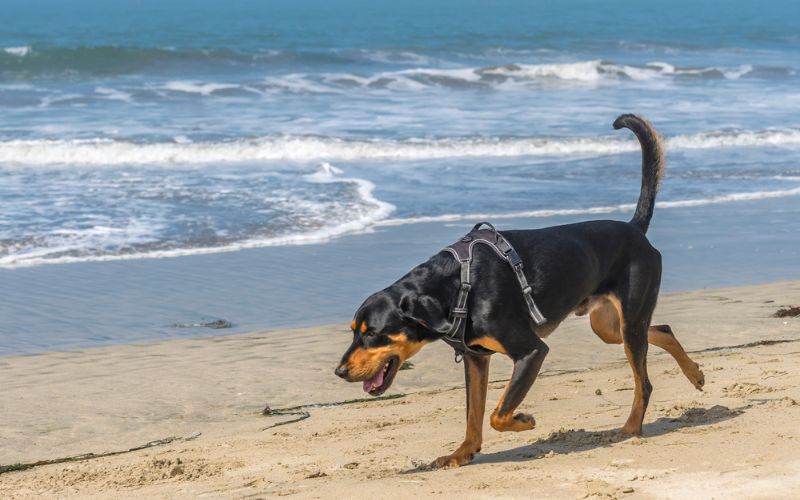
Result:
<point x="353" y="325"/>
<point x="364" y="327"/>
<point x="363" y="363"/>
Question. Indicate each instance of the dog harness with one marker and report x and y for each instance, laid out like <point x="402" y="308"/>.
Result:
<point x="462" y="251"/>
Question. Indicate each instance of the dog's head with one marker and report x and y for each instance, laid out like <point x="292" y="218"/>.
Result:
<point x="387" y="330"/>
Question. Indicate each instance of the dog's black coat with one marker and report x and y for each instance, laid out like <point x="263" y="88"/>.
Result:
<point x="567" y="267"/>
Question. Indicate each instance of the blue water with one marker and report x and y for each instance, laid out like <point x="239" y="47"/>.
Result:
<point x="132" y="130"/>
<point x="169" y="128"/>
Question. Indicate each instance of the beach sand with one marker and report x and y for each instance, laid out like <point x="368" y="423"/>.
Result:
<point x="739" y="437"/>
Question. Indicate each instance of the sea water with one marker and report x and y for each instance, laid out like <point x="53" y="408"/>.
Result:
<point x="152" y="129"/>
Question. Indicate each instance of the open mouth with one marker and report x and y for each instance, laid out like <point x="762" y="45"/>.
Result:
<point x="381" y="381"/>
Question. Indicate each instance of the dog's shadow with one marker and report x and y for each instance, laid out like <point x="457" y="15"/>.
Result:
<point x="571" y="441"/>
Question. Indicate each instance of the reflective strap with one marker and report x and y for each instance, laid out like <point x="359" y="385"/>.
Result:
<point x="465" y="272"/>
<point x="516" y="264"/>
<point x="527" y="293"/>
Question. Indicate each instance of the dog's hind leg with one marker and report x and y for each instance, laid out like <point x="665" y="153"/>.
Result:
<point x="476" y="374"/>
<point x="605" y="318"/>
<point x="635" y="337"/>
<point x="637" y="303"/>
<point x="662" y="336"/>
<point x="526" y="368"/>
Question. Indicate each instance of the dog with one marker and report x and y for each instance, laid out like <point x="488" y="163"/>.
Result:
<point x="606" y="269"/>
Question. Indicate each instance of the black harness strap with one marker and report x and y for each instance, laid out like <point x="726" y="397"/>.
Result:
<point x="462" y="251"/>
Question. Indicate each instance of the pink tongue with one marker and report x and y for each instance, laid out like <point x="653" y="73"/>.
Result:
<point x="374" y="382"/>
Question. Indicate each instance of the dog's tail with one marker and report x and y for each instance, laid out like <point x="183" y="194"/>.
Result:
<point x="653" y="165"/>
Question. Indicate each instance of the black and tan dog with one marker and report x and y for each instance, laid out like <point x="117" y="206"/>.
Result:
<point x="605" y="268"/>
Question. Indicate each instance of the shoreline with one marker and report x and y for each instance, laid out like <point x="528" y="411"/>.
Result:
<point x="220" y="332"/>
<point x="58" y="307"/>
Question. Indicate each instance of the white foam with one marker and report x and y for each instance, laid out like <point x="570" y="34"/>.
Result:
<point x="735" y="74"/>
<point x="499" y="77"/>
<point x="367" y="221"/>
<point x="627" y="207"/>
<point x="298" y="83"/>
<point x="716" y="139"/>
<point x="106" y="152"/>
<point x="585" y="71"/>
<point x="76" y="240"/>
<point x="325" y="173"/>
<point x="113" y="94"/>
<point x="192" y="87"/>
<point x="18" y="51"/>
<point x="362" y="218"/>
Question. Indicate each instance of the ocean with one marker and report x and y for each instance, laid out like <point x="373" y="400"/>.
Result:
<point x="133" y="131"/>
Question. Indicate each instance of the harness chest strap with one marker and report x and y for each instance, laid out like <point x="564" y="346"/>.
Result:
<point x="462" y="251"/>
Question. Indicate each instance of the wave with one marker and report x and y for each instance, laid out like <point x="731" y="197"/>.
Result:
<point x="47" y="61"/>
<point x="33" y="62"/>
<point x="514" y="76"/>
<point x="626" y="207"/>
<point x="191" y="87"/>
<point x="366" y="222"/>
<point x="18" y="51"/>
<point x="108" y="152"/>
<point x="421" y="70"/>
<point x="141" y="238"/>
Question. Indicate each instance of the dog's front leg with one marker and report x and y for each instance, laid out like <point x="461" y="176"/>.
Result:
<point x="476" y="374"/>
<point x="526" y="368"/>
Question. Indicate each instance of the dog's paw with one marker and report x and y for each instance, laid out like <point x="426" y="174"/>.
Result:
<point x="454" y="460"/>
<point x="519" y="422"/>
<point x="630" y="430"/>
<point x="696" y="377"/>
<point x="524" y="421"/>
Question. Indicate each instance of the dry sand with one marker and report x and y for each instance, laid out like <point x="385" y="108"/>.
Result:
<point x="738" y="438"/>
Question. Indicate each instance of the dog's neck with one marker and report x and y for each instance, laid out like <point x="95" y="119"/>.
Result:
<point x="437" y="281"/>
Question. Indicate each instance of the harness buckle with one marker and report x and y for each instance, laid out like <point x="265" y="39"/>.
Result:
<point x="504" y="246"/>
<point x="460" y="311"/>
<point x="527" y="290"/>
<point x="466" y="287"/>
<point x="458" y="357"/>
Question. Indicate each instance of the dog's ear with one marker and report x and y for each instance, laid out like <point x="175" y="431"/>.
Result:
<point x="425" y="311"/>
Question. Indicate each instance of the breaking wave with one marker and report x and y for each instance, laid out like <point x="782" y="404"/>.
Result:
<point x="107" y="152"/>
<point x="299" y="218"/>
<point x="33" y="62"/>
<point x="626" y="207"/>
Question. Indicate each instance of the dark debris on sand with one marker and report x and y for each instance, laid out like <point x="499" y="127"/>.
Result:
<point x="216" y="324"/>
<point x="787" y="312"/>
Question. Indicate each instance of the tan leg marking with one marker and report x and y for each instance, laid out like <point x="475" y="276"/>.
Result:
<point x="513" y="422"/>
<point x="633" y="426"/>
<point x="489" y="343"/>
<point x="605" y="316"/>
<point x="608" y="323"/>
<point x="476" y="407"/>
<point x="662" y="336"/>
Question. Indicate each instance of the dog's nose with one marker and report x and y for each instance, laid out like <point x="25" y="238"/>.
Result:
<point x="341" y="371"/>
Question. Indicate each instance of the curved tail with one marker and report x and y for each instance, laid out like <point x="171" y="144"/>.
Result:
<point x="653" y="166"/>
